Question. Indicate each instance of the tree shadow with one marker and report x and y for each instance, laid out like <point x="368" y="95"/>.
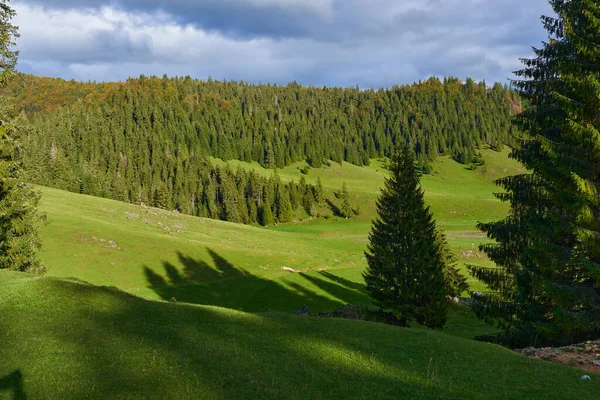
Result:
<point x="123" y="346"/>
<point x="221" y="283"/>
<point x="343" y="281"/>
<point x="340" y="292"/>
<point x="13" y="382"/>
<point x="334" y="209"/>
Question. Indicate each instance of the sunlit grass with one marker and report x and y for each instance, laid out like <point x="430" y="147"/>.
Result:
<point x="160" y="255"/>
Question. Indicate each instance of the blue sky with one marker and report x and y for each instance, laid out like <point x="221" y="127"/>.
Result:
<point x="375" y="43"/>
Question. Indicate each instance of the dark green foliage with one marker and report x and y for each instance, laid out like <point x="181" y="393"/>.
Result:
<point x="319" y="192"/>
<point x="8" y="35"/>
<point x="266" y="213"/>
<point x="282" y="202"/>
<point x="345" y="208"/>
<point x="406" y="262"/>
<point x="162" y="198"/>
<point x="19" y="217"/>
<point x="547" y="287"/>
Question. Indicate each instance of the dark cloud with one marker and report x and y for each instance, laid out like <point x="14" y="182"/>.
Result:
<point x="239" y="18"/>
<point x="95" y="46"/>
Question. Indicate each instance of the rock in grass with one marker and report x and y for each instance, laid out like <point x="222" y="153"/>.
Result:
<point x="302" y="311"/>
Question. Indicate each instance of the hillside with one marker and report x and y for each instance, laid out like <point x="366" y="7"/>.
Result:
<point x="160" y="254"/>
<point x="67" y="339"/>
<point x="148" y="139"/>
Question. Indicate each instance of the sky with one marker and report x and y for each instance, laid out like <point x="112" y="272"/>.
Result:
<point x="343" y="43"/>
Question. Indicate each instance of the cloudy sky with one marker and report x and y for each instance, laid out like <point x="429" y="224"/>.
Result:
<point x="369" y="43"/>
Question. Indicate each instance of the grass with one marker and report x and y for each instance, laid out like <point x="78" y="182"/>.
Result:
<point x="157" y="254"/>
<point x="67" y="339"/>
<point x="100" y="326"/>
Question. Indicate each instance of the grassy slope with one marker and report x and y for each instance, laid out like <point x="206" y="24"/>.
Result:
<point x="67" y="339"/>
<point x="458" y="197"/>
<point x="216" y="263"/>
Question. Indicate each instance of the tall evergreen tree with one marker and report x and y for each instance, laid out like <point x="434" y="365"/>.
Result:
<point x="265" y="217"/>
<point x="319" y="194"/>
<point x="283" y="205"/>
<point x="345" y="208"/>
<point x="405" y="263"/>
<point x="19" y="217"/>
<point x="162" y="197"/>
<point x="547" y="287"/>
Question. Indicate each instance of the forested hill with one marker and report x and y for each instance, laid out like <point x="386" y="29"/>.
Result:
<point x="135" y="137"/>
<point x="275" y="125"/>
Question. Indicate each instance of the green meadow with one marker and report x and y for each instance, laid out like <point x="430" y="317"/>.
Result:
<point x="147" y="303"/>
<point x="63" y="339"/>
<point x="157" y="254"/>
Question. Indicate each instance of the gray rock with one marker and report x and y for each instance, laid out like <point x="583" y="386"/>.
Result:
<point x="302" y="311"/>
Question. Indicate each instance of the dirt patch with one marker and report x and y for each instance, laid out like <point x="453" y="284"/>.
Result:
<point x="467" y="235"/>
<point x="467" y="254"/>
<point x="585" y="356"/>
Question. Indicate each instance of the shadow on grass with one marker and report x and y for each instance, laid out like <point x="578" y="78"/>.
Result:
<point x="13" y="383"/>
<point x="338" y="291"/>
<point x="116" y="345"/>
<point x="344" y="282"/>
<point x="221" y="283"/>
<point x="334" y="209"/>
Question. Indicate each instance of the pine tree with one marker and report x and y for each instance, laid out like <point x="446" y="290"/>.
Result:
<point x="283" y="205"/>
<point x="405" y="264"/>
<point x="319" y="192"/>
<point x="19" y="217"/>
<point x="547" y="287"/>
<point x="308" y="203"/>
<point x="265" y="215"/>
<point x="345" y="208"/>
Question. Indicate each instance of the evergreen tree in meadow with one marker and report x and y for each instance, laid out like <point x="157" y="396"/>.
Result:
<point x="547" y="287"/>
<point x="319" y="192"/>
<point x="345" y="208"/>
<point x="405" y="261"/>
<point x="19" y="217"/>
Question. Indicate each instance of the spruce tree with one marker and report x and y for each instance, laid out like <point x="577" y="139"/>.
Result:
<point x="265" y="215"/>
<point x="308" y="203"/>
<point x="546" y="289"/>
<point x="345" y="208"/>
<point x="19" y="217"/>
<point x="283" y="205"/>
<point x="405" y="263"/>
<point x="319" y="192"/>
<point x="162" y="197"/>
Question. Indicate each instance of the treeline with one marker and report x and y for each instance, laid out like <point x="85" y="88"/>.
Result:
<point x="194" y="187"/>
<point x="274" y="125"/>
